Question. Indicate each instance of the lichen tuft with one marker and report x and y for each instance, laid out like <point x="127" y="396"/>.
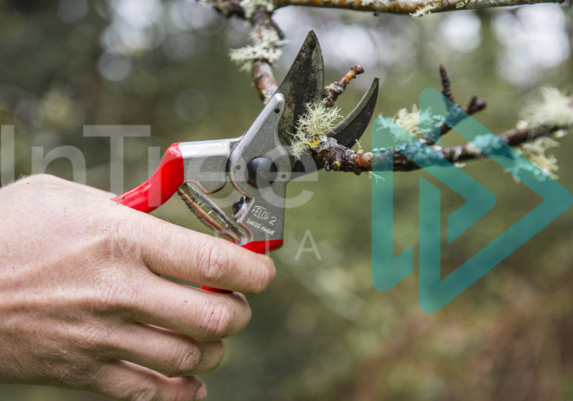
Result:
<point x="416" y="122"/>
<point x="311" y="128"/>
<point x="555" y="109"/>
<point x="250" y="6"/>
<point x="535" y="152"/>
<point x="424" y="10"/>
<point x="266" y="47"/>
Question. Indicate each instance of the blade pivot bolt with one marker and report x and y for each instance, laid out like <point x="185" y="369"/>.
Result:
<point x="261" y="172"/>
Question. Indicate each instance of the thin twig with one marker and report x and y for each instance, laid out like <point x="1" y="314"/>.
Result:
<point x="474" y="106"/>
<point x="332" y="91"/>
<point x="264" y="80"/>
<point x="446" y="84"/>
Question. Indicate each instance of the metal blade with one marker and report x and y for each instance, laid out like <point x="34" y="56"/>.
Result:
<point x="347" y="132"/>
<point x="304" y="83"/>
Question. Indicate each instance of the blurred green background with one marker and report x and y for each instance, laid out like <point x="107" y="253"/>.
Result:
<point x="321" y="331"/>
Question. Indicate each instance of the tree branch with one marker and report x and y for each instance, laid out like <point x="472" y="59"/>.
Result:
<point x="343" y="159"/>
<point x="339" y="158"/>
<point x="267" y="38"/>
<point x="261" y="20"/>
<point x="263" y="78"/>
<point x="416" y="7"/>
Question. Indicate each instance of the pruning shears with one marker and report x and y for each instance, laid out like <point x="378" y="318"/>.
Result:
<point x="257" y="164"/>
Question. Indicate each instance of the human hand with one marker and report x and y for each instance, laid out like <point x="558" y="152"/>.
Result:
<point x="82" y="305"/>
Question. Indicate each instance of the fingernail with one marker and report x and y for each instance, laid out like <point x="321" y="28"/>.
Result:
<point x="201" y="393"/>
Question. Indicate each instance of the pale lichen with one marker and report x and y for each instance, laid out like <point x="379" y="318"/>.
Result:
<point x="555" y="110"/>
<point x="266" y="46"/>
<point x="535" y="152"/>
<point x="424" y="10"/>
<point x="312" y="127"/>
<point x="250" y="6"/>
<point x="416" y="122"/>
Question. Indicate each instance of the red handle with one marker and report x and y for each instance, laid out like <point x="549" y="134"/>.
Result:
<point x="162" y="185"/>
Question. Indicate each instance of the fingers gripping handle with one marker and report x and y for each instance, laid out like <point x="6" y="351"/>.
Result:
<point x="261" y="247"/>
<point x="162" y="185"/>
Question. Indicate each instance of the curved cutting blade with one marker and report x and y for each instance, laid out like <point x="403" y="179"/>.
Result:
<point x="347" y="132"/>
<point x="304" y="83"/>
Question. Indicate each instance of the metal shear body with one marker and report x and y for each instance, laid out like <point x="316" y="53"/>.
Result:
<point x="257" y="164"/>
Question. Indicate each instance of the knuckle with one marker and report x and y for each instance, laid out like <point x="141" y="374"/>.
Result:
<point x="34" y="180"/>
<point x="107" y="232"/>
<point x="187" y="360"/>
<point x="214" y="262"/>
<point x="74" y="370"/>
<point x="44" y="178"/>
<point x="113" y="294"/>
<point x="91" y="339"/>
<point x="110" y="297"/>
<point x="48" y="181"/>
<point x="266" y="275"/>
<point x="218" y="319"/>
<point x="38" y="181"/>
<point x="146" y="393"/>
<point x="120" y="238"/>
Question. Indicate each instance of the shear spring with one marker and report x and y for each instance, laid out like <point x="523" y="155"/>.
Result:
<point x="203" y="208"/>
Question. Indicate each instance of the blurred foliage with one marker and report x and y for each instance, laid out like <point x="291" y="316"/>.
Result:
<point x="321" y="332"/>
